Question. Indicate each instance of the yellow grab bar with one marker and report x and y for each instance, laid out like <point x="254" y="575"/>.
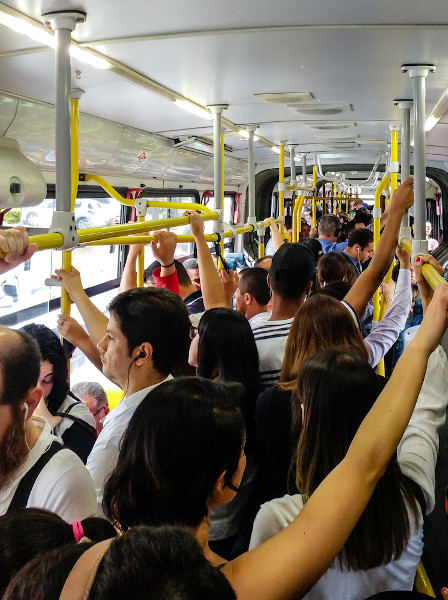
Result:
<point x="109" y="189"/>
<point x="178" y="205"/>
<point x="422" y="583"/>
<point x="428" y="271"/>
<point x="281" y="181"/>
<point x="296" y="216"/>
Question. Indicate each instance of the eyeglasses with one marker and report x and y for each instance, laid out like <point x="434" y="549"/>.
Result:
<point x="98" y="411"/>
<point x="193" y="332"/>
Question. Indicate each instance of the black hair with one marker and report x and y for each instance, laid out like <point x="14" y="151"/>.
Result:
<point x="314" y="245"/>
<point x="227" y="350"/>
<point x="362" y="237"/>
<point x="52" y="351"/>
<point x="29" y="532"/>
<point x="158" y="563"/>
<point x="182" y="275"/>
<point x="260" y="260"/>
<point x="335" y="289"/>
<point x="44" y="577"/>
<point x="182" y="437"/>
<point x="254" y="281"/>
<point x="363" y="216"/>
<point x="157" y="316"/>
<point x="337" y="388"/>
<point x="20" y="368"/>
<point x="288" y="222"/>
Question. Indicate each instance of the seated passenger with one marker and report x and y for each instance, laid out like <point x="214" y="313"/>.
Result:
<point x="68" y="417"/>
<point x="385" y="547"/>
<point x="35" y="469"/>
<point x="183" y="475"/>
<point x="28" y="533"/>
<point x="94" y="397"/>
<point x="145" y="562"/>
<point x="253" y="294"/>
<point x="432" y="243"/>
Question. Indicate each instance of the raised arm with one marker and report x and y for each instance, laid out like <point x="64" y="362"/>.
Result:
<point x="277" y="239"/>
<point x="129" y="276"/>
<point x="366" y="284"/>
<point x="290" y="563"/>
<point x="212" y="290"/>
<point x="72" y="331"/>
<point x="94" y="319"/>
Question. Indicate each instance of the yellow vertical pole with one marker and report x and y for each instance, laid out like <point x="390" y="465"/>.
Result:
<point x="314" y="198"/>
<point x="141" y="262"/>
<point x="281" y="184"/>
<point x="260" y="249"/>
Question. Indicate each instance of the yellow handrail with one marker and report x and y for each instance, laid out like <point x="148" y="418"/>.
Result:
<point x="422" y="583"/>
<point x="428" y="271"/>
<point x="296" y="216"/>
<point x="314" y="199"/>
<point x="109" y="189"/>
<point x="178" y="205"/>
<point x="140" y="262"/>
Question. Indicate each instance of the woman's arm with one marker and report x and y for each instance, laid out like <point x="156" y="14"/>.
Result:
<point x="277" y="239"/>
<point x="384" y="335"/>
<point x="129" y="275"/>
<point x="369" y="280"/>
<point x="290" y="563"/>
<point x="72" y="331"/>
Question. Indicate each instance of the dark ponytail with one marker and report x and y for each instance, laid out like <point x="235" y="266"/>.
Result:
<point x="29" y="532"/>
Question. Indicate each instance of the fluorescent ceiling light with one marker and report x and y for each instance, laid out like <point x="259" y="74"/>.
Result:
<point x="245" y="134"/>
<point x="41" y="34"/>
<point x="430" y="122"/>
<point x="194" y="108"/>
<point x="275" y="149"/>
<point x="88" y="57"/>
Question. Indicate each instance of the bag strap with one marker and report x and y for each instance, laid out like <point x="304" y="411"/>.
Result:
<point x="23" y="491"/>
<point x="77" y="420"/>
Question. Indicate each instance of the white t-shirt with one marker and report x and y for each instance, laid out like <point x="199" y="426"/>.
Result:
<point x="270" y="338"/>
<point x="64" y="485"/>
<point x="104" y="455"/>
<point x="417" y="456"/>
<point x="79" y="410"/>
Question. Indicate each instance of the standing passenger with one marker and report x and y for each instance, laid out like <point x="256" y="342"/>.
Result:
<point x="35" y="469"/>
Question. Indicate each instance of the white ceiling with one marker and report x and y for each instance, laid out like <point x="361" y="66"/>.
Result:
<point x="350" y="52"/>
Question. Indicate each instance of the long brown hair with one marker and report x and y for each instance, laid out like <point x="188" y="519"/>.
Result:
<point x="336" y="389"/>
<point x="322" y="322"/>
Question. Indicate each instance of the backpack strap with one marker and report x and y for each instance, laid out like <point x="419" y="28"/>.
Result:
<point x="23" y="491"/>
<point x="84" y="425"/>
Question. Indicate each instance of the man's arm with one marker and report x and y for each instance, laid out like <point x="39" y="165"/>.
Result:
<point x="94" y="319"/>
<point x="14" y="243"/>
<point x="72" y="331"/>
<point x="129" y="276"/>
<point x="277" y="239"/>
<point x="366" y="284"/>
<point x="212" y="290"/>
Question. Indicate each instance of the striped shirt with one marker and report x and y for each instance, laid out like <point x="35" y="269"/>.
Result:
<point x="270" y="337"/>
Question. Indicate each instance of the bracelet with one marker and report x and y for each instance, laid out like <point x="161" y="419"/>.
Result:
<point x="168" y="266"/>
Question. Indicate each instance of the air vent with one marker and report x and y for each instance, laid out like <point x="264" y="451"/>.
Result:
<point x="285" y="97"/>
<point x="319" y="109"/>
<point x="329" y="125"/>
<point x="335" y="137"/>
<point x="371" y="142"/>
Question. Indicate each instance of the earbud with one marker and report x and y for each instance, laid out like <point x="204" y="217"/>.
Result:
<point x="27" y="408"/>
<point x="141" y="355"/>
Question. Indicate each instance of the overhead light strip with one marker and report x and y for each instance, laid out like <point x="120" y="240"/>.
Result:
<point x="23" y="24"/>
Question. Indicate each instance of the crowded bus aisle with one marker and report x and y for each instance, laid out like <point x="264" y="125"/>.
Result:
<point x="252" y="417"/>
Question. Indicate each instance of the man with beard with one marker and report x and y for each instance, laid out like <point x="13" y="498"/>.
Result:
<point x="35" y="469"/>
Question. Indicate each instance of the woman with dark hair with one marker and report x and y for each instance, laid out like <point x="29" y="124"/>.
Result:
<point x="225" y="350"/>
<point x="70" y="419"/>
<point x="332" y="266"/>
<point x="384" y="549"/>
<point x="177" y="478"/>
<point x="146" y="562"/>
<point x="28" y="533"/>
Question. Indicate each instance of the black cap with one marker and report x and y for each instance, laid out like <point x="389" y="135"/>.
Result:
<point x="296" y="260"/>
